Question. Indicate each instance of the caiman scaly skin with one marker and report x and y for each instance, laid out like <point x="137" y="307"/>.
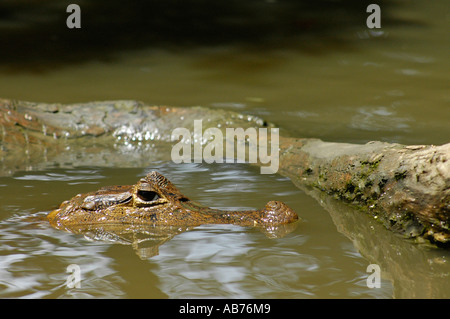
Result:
<point x="154" y="200"/>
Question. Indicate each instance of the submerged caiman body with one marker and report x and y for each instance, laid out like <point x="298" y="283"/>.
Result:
<point x="154" y="200"/>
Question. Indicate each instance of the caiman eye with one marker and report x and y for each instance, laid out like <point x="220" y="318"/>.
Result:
<point x="147" y="196"/>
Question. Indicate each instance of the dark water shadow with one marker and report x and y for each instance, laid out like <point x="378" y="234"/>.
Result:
<point x="35" y="37"/>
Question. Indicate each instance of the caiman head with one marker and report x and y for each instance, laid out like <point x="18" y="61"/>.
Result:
<point x="154" y="200"/>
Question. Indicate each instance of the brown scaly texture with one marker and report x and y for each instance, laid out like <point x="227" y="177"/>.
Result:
<point x="154" y="200"/>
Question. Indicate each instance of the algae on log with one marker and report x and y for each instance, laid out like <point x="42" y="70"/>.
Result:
<point x="406" y="187"/>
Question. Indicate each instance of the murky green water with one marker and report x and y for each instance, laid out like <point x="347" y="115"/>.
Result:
<point x="208" y="261"/>
<point x="391" y="85"/>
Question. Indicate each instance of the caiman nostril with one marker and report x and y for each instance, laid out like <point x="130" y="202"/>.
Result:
<point x="277" y="212"/>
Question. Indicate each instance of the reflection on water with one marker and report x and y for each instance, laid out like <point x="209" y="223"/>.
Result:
<point x="212" y="260"/>
<point x="33" y="262"/>
<point x="72" y="177"/>
<point x="244" y="265"/>
<point x="315" y="260"/>
<point x="380" y="118"/>
<point x="390" y="85"/>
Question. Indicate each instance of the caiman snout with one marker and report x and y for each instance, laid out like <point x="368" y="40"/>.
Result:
<point x="275" y="213"/>
<point x="156" y="201"/>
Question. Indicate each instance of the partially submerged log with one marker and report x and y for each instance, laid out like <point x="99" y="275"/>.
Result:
<point x="407" y="188"/>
